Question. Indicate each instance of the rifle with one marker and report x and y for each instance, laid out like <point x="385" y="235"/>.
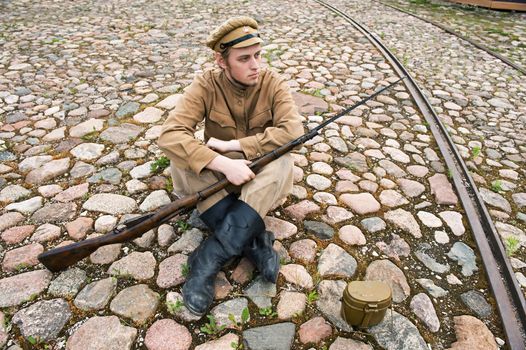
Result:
<point x="58" y="259"/>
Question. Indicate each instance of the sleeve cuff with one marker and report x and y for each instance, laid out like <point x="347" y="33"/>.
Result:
<point x="201" y="160"/>
<point x="251" y="147"/>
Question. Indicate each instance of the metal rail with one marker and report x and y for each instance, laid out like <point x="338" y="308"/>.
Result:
<point x="463" y="37"/>
<point x="508" y="295"/>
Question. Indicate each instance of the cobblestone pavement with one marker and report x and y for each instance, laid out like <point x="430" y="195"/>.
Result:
<point x="501" y="31"/>
<point x="481" y="100"/>
<point x="84" y="88"/>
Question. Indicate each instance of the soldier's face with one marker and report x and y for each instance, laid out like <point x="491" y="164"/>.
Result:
<point x="243" y="65"/>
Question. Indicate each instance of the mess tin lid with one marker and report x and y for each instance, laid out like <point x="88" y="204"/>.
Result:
<point x="368" y="291"/>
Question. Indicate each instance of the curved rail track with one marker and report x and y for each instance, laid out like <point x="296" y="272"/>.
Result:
<point x="463" y="37"/>
<point x="510" y="300"/>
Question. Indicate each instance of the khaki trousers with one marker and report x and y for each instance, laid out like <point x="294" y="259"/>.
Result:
<point x="271" y="185"/>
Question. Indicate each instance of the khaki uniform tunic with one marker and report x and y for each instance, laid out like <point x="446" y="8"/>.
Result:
<point x="262" y="117"/>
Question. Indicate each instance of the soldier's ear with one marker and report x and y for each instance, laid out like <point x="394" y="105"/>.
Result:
<point x="220" y="60"/>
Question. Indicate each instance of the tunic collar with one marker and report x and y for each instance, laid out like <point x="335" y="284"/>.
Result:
<point x="238" y="89"/>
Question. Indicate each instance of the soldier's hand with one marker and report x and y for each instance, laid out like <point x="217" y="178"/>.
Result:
<point x="223" y="146"/>
<point x="238" y="172"/>
<point x="235" y="170"/>
<point x="217" y="145"/>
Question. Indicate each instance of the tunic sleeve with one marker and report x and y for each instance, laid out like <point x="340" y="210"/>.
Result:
<point x="177" y="139"/>
<point x="286" y="125"/>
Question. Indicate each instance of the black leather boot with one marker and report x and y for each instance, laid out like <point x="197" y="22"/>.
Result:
<point x="240" y="225"/>
<point x="213" y="216"/>
<point x="259" y="251"/>
<point x="263" y="256"/>
<point x="198" y="290"/>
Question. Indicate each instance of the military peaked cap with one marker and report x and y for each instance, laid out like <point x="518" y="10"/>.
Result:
<point x="236" y="32"/>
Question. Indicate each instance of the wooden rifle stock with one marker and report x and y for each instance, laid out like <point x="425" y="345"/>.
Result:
<point x="59" y="258"/>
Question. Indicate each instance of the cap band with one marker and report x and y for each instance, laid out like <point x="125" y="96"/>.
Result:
<point x="224" y="46"/>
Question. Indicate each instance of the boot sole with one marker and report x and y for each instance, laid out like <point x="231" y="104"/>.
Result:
<point x="275" y="276"/>
<point x="191" y="310"/>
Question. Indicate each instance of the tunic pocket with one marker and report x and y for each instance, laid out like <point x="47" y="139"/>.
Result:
<point x="220" y="125"/>
<point x="261" y="120"/>
<point x="222" y="119"/>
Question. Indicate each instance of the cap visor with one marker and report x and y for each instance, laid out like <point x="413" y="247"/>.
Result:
<point x="248" y="42"/>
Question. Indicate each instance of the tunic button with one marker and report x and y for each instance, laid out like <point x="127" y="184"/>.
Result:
<point x="239" y="103"/>
<point x="258" y="154"/>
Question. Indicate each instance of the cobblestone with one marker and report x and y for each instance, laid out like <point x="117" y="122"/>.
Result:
<point x="84" y="90"/>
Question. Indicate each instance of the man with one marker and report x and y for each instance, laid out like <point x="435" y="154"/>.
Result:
<point x="247" y="112"/>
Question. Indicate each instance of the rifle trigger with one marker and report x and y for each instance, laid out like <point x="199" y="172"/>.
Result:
<point x="134" y="221"/>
